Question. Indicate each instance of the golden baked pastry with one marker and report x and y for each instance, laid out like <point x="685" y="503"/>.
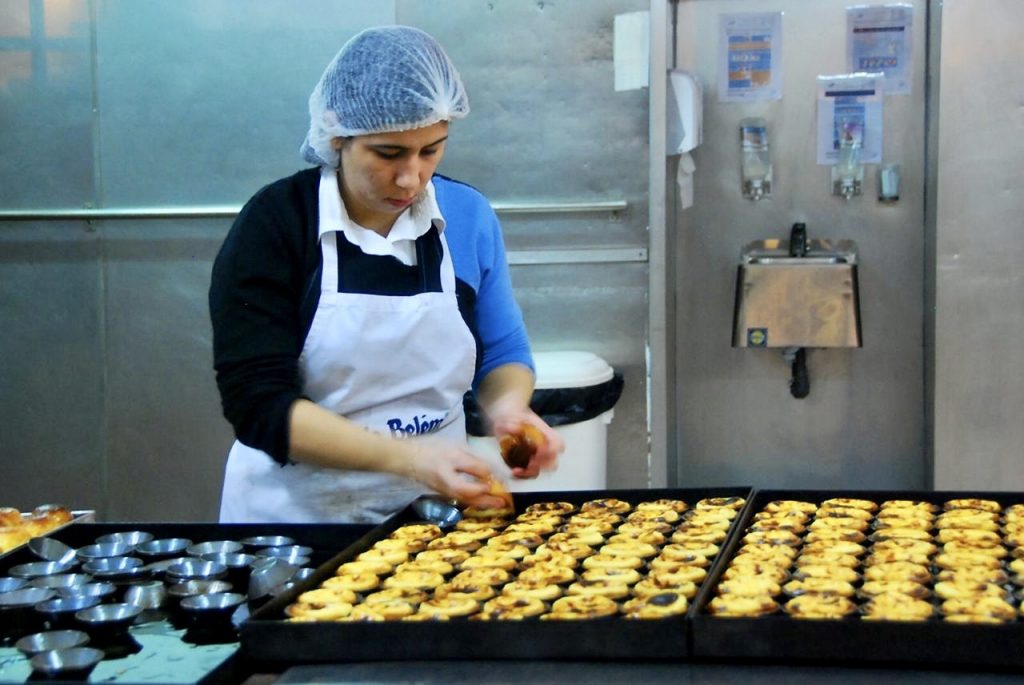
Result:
<point x="360" y="582"/>
<point x="818" y="586"/>
<point x="489" y="575"/>
<point x="628" y="576"/>
<point x="363" y="613"/>
<point x="751" y="570"/>
<point x="478" y="591"/>
<point x="968" y="518"/>
<point x="407" y="545"/>
<point x="819" y="607"/>
<point x="1017" y="566"/>
<point x="451" y="605"/>
<point x="827" y="559"/>
<point x="1014" y="512"/>
<point x="325" y="595"/>
<point x="433" y="566"/>
<point x="390" y="556"/>
<point x="873" y="588"/>
<point x="789" y="524"/>
<point x="893" y="606"/>
<point x="353" y="568"/>
<point x="656" y="515"/>
<point x="833" y="547"/>
<point x="578" y="550"/>
<point x="909" y="504"/>
<point x="506" y="549"/>
<point x="681" y="572"/>
<point x="772" y="537"/>
<point x="509" y="607"/>
<point x="676" y="505"/>
<point x="906" y="544"/>
<point x="417" y="618"/>
<point x="898" y="570"/>
<point x="832" y="534"/>
<point x="464" y="540"/>
<point x="591" y="537"/>
<point x="549" y="556"/>
<point x="655" y="606"/>
<point x="680" y="550"/>
<point x="734" y="503"/>
<point x="750" y="586"/>
<point x="721" y="516"/>
<point x="603" y="504"/>
<point x="653" y="585"/>
<point x="887" y="556"/>
<point x="987" y="607"/>
<point x="990" y="549"/>
<point x="633" y="548"/>
<point x="301" y="612"/>
<point x="912" y="522"/>
<point x="777" y="554"/>
<point x="973" y="503"/>
<point x="411" y="595"/>
<point x="391" y="609"/>
<point x="966" y="560"/>
<point x="612" y="561"/>
<point x="417" y="531"/>
<point x="488" y="512"/>
<point x="882" y="534"/>
<point x="974" y="574"/>
<point x="470" y="525"/>
<point x="10" y="517"/>
<point x="964" y="589"/>
<point x="650" y="537"/>
<point x="606" y="588"/>
<point x="831" y="522"/>
<point x="418" y="580"/>
<point x="561" y="508"/>
<point x="450" y="556"/>
<point x="850" y="502"/>
<point x="13" y="536"/>
<point x="586" y="526"/>
<point x="795" y="514"/>
<point x="478" y="560"/>
<point x="839" y="573"/>
<point x="548" y="574"/>
<point x="968" y="536"/>
<point x="538" y="527"/>
<point x="734" y="606"/>
<point x="536" y="589"/>
<point x="583" y="606"/>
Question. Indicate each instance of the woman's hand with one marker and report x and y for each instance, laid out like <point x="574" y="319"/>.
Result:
<point x="453" y="472"/>
<point x="545" y="451"/>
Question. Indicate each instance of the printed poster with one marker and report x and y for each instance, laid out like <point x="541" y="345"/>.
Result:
<point x="879" y="40"/>
<point x="750" y="59"/>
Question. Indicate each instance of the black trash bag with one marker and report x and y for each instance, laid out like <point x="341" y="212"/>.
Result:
<point x="557" y="406"/>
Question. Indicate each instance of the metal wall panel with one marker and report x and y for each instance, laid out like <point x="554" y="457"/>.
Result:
<point x="979" y="319"/>
<point x="863" y="423"/>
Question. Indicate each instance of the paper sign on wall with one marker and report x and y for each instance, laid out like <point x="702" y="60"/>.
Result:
<point x="879" y="40"/>
<point x="750" y="57"/>
<point x="850" y="112"/>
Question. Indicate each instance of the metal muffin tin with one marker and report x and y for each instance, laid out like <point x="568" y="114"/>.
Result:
<point x="851" y="640"/>
<point x="267" y="637"/>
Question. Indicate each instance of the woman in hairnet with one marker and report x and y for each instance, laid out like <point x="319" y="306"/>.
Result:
<point x="354" y="304"/>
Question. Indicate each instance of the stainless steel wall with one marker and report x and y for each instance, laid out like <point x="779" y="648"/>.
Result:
<point x="108" y="397"/>
<point x="979" y="318"/>
<point x="863" y="423"/>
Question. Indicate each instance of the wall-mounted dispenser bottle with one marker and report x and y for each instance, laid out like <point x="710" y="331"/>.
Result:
<point x="757" y="163"/>
<point x="848" y="172"/>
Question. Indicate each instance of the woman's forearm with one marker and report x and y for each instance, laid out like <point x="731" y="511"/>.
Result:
<point x="320" y="437"/>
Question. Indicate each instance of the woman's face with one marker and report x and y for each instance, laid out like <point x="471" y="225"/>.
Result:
<point x="383" y="173"/>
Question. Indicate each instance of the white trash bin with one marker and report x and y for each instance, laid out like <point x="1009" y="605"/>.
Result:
<point x="583" y="464"/>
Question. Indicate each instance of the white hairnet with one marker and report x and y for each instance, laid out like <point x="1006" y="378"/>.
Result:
<point x="391" y="78"/>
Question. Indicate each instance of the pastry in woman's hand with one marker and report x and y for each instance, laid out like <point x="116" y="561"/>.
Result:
<point x="517" y="449"/>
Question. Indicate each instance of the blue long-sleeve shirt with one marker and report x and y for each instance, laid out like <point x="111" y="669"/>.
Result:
<point x="265" y="288"/>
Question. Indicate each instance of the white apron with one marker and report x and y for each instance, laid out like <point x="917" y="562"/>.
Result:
<point x="396" y="365"/>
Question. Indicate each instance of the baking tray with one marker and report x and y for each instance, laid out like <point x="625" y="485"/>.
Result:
<point x="168" y="655"/>
<point x="268" y="637"/>
<point x="77" y="516"/>
<point x="851" y="641"/>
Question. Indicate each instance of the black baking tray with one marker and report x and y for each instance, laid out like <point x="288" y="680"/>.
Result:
<point x="267" y="637"/>
<point x="851" y="641"/>
<point x="168" y="657"/>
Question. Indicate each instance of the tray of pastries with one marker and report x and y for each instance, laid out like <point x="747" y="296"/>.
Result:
<point x="578" y="574"/>
<point x="18" y="527"/>
<point x="903" y="577"/>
